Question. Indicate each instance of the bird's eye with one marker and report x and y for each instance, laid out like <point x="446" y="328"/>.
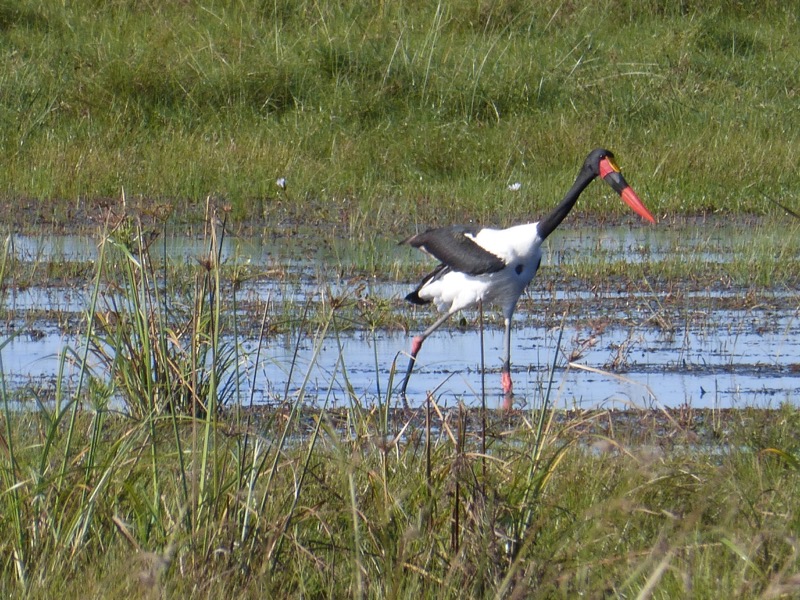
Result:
<point x="608" y="166"/>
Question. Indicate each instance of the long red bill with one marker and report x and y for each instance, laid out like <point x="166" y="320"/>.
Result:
<point x="632" y="200"/>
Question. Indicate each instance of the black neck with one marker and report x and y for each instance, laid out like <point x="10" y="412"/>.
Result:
<point x="548" y="224"/>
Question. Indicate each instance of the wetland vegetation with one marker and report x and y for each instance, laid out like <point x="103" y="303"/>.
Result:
<point x="144" y="467"/>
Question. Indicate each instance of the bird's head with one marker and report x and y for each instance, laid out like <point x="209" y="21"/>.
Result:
<point x="601" y="163"/>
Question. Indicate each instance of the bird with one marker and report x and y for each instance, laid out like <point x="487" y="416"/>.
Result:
<point x="481" y="266"/>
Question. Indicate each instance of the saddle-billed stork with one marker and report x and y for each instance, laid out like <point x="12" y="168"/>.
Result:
<point x="485" y="266"/>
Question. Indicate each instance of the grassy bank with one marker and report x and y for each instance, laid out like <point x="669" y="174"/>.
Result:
<point x="352" y="504"/>
<point x="391" y="114"/>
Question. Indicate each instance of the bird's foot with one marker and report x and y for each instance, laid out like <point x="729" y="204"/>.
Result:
<point x="508" y="401"/>
<point x="508" y="390"/>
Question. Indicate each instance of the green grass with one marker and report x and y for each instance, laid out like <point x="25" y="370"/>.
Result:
<point x="394" y="114"/>
<point x="102" y="507"/>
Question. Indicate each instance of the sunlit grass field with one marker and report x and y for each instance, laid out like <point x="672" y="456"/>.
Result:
<point x="392" y="114"/>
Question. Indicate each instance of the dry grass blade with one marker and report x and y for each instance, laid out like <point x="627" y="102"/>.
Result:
<point x="617" y="376"/>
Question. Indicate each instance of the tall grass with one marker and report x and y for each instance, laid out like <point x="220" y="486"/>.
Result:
<point x="164" y="351"/>
<point x="394" y="113"/>
<point x="327" y="512"/>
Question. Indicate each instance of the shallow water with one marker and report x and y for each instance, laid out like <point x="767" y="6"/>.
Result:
<point x="705" y="358"/>
<point x="700" y="368"/>
<point x="623" y="242"/>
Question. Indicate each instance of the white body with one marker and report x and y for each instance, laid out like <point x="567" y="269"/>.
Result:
<point x="519" y="247"/>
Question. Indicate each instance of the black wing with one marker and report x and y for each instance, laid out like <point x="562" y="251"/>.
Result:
<point x="453" y="246"/>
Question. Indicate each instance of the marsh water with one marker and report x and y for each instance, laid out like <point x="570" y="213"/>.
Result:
<point x="582" y="348"/>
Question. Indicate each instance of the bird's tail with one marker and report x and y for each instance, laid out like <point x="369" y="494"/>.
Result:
<point x="414" y="298"/>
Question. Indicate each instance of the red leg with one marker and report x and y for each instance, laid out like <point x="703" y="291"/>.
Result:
<point x="505" y="377"/>
<point x="416" y="344"/>
<point x="508" y="390"/>
<point x="505" y="380"/>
